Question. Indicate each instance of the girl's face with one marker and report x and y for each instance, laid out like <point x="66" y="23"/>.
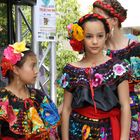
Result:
<point x="104" y="14"/>
<point x="95" y="37"/>
<point x="28" y="72"/>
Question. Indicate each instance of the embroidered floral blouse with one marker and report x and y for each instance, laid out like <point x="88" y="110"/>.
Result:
<point x="131" y="54"/>
<point x="102" y="79"/>
<point x="34" y="117"/>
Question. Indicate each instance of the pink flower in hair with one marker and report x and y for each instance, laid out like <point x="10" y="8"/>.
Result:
<point x="11" y="56"/>
<point x="69" y="27"/>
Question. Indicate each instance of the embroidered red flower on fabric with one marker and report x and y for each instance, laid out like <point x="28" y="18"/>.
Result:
<point x="10" y="115"/>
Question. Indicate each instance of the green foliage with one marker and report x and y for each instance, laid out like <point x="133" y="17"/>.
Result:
<point x="63" y="57"/>
<point x="67" y="12"/>
<point x="27" y="12"/>
<point x="138" y="37"/>
<point x="3" y="25"/>
<point x="3" y="22"/>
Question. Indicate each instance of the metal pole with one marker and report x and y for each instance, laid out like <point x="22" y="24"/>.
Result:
<point x="25" y="20"/>
<point x="18" y="24"/>
<point x="35" y="44"/>
<point x="44" y="55"/>
<point x="53" y="71"/>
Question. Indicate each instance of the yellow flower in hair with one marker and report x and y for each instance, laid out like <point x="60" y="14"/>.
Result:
<point x="19" y="47"/>
<point x="78" y="32"/>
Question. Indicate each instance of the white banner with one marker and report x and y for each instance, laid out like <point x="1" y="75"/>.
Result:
<point x="46" y="21"/>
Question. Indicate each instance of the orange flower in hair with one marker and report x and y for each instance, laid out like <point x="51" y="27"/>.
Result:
<point x="75" y="31"/>
<point x="78" y="32"/>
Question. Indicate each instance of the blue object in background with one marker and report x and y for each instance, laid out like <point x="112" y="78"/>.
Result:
<point x="131" y="36"/>
<point x="46" y="2"/>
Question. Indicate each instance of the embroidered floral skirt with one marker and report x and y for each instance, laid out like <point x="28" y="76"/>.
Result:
<point x="83" y="128"/>
<point x="135" y="119"/>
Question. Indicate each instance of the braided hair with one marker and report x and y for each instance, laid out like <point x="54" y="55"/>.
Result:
<point x="113" y="8"/>
<point x="94" y="17"/>
<point x="118" y="7"/>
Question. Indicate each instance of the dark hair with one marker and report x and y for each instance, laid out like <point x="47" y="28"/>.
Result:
<point x="94" y="17"/>
<point x="119" y="11"/>
<point x="28" y="53"/>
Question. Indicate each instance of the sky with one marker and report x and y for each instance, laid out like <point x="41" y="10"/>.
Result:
<point x="133" y="6"/>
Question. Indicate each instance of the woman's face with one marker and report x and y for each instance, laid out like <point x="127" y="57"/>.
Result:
<point x="95" y="37"/>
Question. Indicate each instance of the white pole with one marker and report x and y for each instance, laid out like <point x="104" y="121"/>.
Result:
<point x="53" y="71"/>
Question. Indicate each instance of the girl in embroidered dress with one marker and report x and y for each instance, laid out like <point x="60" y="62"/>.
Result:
<point x="25" y="113"/>
<point x="123" y="48"/>
<point x="96" y="99"/>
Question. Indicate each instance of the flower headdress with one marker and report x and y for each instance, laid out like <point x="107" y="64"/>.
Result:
<point x="111" y="10"/>
<point x="76" y="33"/>
<point x="11" y="55"/>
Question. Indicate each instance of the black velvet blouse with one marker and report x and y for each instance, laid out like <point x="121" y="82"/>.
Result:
<point x="103" y="80"/>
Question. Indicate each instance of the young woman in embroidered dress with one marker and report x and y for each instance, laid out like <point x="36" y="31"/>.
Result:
<point x="125" y="49"/>
<point x="96" y="99"/>
<point x="25" y="113"/>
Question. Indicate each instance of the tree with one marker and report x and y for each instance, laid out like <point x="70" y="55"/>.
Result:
<point x="67" y="12"/>
<point x="3" y="25"/>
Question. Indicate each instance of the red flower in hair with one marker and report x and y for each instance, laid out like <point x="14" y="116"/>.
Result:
<point x="76" y="45"/>
<point x="11" y="56"/>
<point x="5" y="65"/>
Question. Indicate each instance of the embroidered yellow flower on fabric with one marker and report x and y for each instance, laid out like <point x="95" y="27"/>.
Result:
<point x="35" y="118"/>
<point x="75" y="32"/>
<point x="19" y="47"/>
<point x="85" y="132"/>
